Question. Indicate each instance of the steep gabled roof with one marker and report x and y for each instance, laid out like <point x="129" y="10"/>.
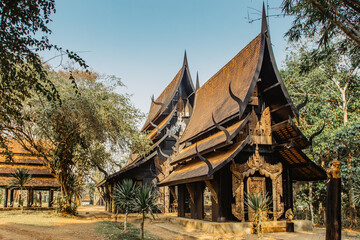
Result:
<point x="213" y="97"/>
<point x="242" y="74"/>
<point x="161" y="103"/>
<point x="41" y="176"/>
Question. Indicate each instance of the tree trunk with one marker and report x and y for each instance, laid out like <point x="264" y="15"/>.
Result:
<point x="142" y="225"/>
<point x="125" y="221"/>
<point x="311" y="204"/>
<point x="116" y="213"/>
<point x="353" y="215"/>
<point x="20" y="200"/>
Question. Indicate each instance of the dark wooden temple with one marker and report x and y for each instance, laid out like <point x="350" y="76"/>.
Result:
<point x="167" y="120"/>
<point x="241" y="138"/>
<point x="42" y="179"/>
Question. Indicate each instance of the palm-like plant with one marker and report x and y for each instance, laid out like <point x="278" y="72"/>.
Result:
<point x="260" y="204"/>
<point x="145" y="202"/>
<point x="124" y="196"/>
<point x="21" y="178"/>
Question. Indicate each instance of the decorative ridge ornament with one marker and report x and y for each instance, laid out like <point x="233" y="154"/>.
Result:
<point x="208" y="163"/>
<point x="303" y="104"/>
<point x="316" y="133"/>
<point x="221" y="128"/>
<point x="155" y="126"/>
<point x="236" y="99"/>
<point x="156" y="103"/>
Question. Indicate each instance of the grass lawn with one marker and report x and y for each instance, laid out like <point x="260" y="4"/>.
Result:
<point x="114" y="231"/>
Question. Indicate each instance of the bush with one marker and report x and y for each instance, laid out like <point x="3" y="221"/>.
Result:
<point x="63" y="206"/>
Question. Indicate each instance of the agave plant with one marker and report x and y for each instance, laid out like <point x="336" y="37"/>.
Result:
<point x="145" y="202"/>
<point x="21" y="178"/>
<point x="124" y="197"/>
<point x="260" y="205"/>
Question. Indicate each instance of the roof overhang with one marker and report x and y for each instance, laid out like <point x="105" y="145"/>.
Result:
<point x="197" y="170"/>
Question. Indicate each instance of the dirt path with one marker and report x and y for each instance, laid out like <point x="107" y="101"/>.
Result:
<point x="45" y="226"/>
<point x="69" y="231"/>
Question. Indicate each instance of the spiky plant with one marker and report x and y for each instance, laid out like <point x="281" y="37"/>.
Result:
<point x="21" y="179"/>
<point x="260" y="204"/>
<point x="124" y="197"/>
<point x="145" y="202"/>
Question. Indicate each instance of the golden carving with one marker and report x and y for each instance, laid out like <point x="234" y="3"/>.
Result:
<point x="256" y="162"/>
<point x="260" y="131"/>
<point x="334" y="169"/>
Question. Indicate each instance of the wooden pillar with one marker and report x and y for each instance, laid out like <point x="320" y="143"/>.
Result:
<point x="51" y="197"/>
<point x="181" y="200"/>
<point x="222" y="184"/>
<point x="333" y="209"/>
<point x="6" y="192"/>
<point x="199" y="200"/>
<point x="196" y="191"/>
<point x="288" y="190"/>
<point x="11" y="197"/>
<point x="40" y="198"/>
<point x="28" y="197"/>
<point x="31" y="197"/>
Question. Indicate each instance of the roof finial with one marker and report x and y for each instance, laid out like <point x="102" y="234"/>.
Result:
<point x="185" y="59"/>
<point x="197" y="81"/>
<point x="264" y="26"/>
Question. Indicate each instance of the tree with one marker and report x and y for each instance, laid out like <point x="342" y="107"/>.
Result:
<point x="327" y="17"/>
<point x="145" y="202"/>
<point x="331" y="79"/>
<point x="21" y="179"/>
<point x="76" y="137"/>
<point x="124" y="196"/>
<point x="23" y="33"/>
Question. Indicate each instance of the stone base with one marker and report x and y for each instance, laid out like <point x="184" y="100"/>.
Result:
<point x="192" y="225"/>
<point x="290" y="227"/>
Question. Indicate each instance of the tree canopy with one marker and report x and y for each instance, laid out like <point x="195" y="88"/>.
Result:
<point x="325" y="17"/>
<point x="331" y="80"/>
<point x="92" y="128"/>
<point x="23" y="34"/>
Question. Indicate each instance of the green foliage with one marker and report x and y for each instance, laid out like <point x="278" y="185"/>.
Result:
<point x="328" y="18"/>
<point x="145" y="200"/>
<point x="24" y="32"/>
<point x="63" y="205"/>
<point x="21" y="178"/>
<point x="88" y="131"/>
<point x="260" y="204"/>
<point x="113" y="231"/>
<point x="124" y="195"/>
<point x="331" y="79"/>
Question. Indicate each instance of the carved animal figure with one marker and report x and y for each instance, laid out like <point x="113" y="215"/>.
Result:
<point x="289" y="215"/>
<point x="334" y="169"/>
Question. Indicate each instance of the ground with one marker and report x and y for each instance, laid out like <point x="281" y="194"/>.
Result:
<point x="94" y="223"/>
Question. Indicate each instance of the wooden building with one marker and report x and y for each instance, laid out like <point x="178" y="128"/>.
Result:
<point x="241" y="138"/>
<point x="42" y="179"/>
<point x="167" y="119"/>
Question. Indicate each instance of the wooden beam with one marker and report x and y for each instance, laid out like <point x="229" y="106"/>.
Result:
<point x="173" y="193"/>
<point x="271" y="87"/>
<point x="191" y="192"/>
<point x="281" y="107"/>
<point x="212" y="190"/>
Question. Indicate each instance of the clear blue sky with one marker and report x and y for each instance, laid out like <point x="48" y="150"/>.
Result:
<point x="143" y="41"/>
